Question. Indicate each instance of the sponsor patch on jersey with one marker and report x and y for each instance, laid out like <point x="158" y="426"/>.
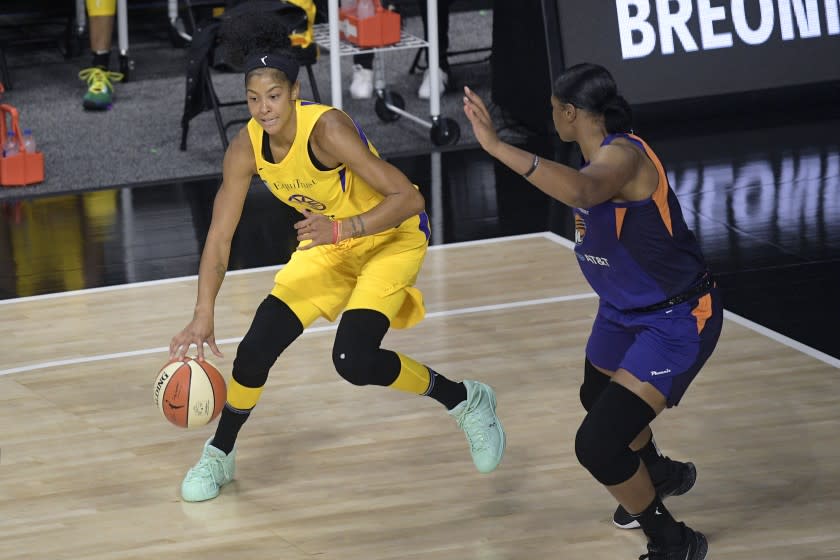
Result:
<point x="307" y="201"/>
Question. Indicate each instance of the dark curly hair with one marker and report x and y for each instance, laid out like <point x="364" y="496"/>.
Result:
<point x="251" y="32"/>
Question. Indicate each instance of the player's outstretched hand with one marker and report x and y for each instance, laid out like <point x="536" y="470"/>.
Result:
<point x="198" y="332"/>
<point x="315" y="227"/>
<point x="479" y="117"/>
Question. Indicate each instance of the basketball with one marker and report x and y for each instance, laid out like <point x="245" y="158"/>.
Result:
<point x="190" y="393"/>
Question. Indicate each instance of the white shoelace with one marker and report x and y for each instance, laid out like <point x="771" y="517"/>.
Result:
<point x="474" y="428"/>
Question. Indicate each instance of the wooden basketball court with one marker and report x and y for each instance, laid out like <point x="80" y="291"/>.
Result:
<point x="90" y="470"/>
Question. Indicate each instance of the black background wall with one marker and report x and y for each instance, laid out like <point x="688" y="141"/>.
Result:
<point x="520" y="81"/>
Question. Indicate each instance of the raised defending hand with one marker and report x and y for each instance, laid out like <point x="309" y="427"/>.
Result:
<point x="199" y="331"/>
<point x="316" y="227"/>
<point x="480" y="119"/>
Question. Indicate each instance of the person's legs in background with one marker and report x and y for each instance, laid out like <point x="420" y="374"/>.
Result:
<point x="425" y="90"/>
<point x="361" y="84"/>
<point x="100" y="92"/>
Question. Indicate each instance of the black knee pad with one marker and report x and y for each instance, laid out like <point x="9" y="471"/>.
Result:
<point x="594" y="383"/>
<point x="356" y="353"/>
<point x="602" y="444"/>
<point x="273" y="329"/>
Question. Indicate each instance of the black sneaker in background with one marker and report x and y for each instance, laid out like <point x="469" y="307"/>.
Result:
<point x="681" y="478"/>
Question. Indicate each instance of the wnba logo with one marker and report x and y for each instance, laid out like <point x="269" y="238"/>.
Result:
<point x="580" y="229"/>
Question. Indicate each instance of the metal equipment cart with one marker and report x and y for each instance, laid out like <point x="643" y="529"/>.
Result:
<point x="389" y="105"/>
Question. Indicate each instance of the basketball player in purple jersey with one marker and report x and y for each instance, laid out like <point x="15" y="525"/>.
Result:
<point x="660" y="313"/>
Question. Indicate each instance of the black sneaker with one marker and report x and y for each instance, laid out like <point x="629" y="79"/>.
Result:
<point x="681" y="478"/>
<point x="694" y="547"/>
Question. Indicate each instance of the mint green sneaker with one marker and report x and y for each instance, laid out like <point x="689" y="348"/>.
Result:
<point x="213" y="470"/>
<point x="477" y="417"/>
<point x="100" y="92"/>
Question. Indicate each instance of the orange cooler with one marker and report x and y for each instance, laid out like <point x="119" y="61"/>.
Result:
<point x="381" y="30"/>
<point x="23" y="168"/>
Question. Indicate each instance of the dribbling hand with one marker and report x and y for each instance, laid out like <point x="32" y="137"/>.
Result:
<point x="198" y="332"/>
<point x="479" y="117"/>
<point x="315" y="227"/>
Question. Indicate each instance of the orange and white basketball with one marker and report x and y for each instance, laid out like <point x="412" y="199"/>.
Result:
<point x="190" y="393"/>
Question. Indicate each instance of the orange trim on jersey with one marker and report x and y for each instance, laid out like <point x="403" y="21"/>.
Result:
<point x="702" y="312"/>
<point x="619" y="221"/>
<point x="660" y="195"/>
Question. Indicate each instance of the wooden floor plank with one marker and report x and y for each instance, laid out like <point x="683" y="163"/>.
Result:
<point x="326" y="470"/>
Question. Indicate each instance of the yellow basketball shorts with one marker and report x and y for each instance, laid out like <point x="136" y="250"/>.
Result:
<point x="375" y="272"/>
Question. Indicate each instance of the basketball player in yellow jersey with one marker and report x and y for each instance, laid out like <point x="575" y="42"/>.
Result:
<point x="362" y="241"/>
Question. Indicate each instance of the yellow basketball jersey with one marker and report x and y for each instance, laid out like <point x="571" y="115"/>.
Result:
<point x="337" y="193"/>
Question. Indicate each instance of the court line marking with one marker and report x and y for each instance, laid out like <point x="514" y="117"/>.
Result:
<point x="271" y="268"/>
<point x="769" y="333"/>
<point x="778" y="337"/>
<point x="773" y="335"/>
<point x="310" y="330"/>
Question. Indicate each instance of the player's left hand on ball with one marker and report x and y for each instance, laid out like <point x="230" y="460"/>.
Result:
<point x="315" y="227"/>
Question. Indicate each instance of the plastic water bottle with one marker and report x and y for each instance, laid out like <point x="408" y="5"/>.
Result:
<point x="366" y="9"/>
<point x="349" y="5"/>
<point x="11" y="147"/>
<point x="28" y="141"/>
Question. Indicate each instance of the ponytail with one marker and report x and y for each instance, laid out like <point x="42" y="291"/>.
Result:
<point x="591" y="87"/>
<point x="618" y="116"/>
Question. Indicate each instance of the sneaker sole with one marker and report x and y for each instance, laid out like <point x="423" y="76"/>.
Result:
<point x="195" y="500"/>
<point x="632" y="525"/>
<point x="687" y="485"/>
<point x="96" y="106"/>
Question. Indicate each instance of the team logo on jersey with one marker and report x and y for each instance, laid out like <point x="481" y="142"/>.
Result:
<point x="306" y="201"/>
<point x="580" y="229"/>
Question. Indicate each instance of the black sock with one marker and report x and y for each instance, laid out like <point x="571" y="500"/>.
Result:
<point x="658" y="524"/>
<point x="656" y="463"/>
<point x="448" y="393"/>
<point x="230" y="421"/>
<point x="101" y="60"/>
